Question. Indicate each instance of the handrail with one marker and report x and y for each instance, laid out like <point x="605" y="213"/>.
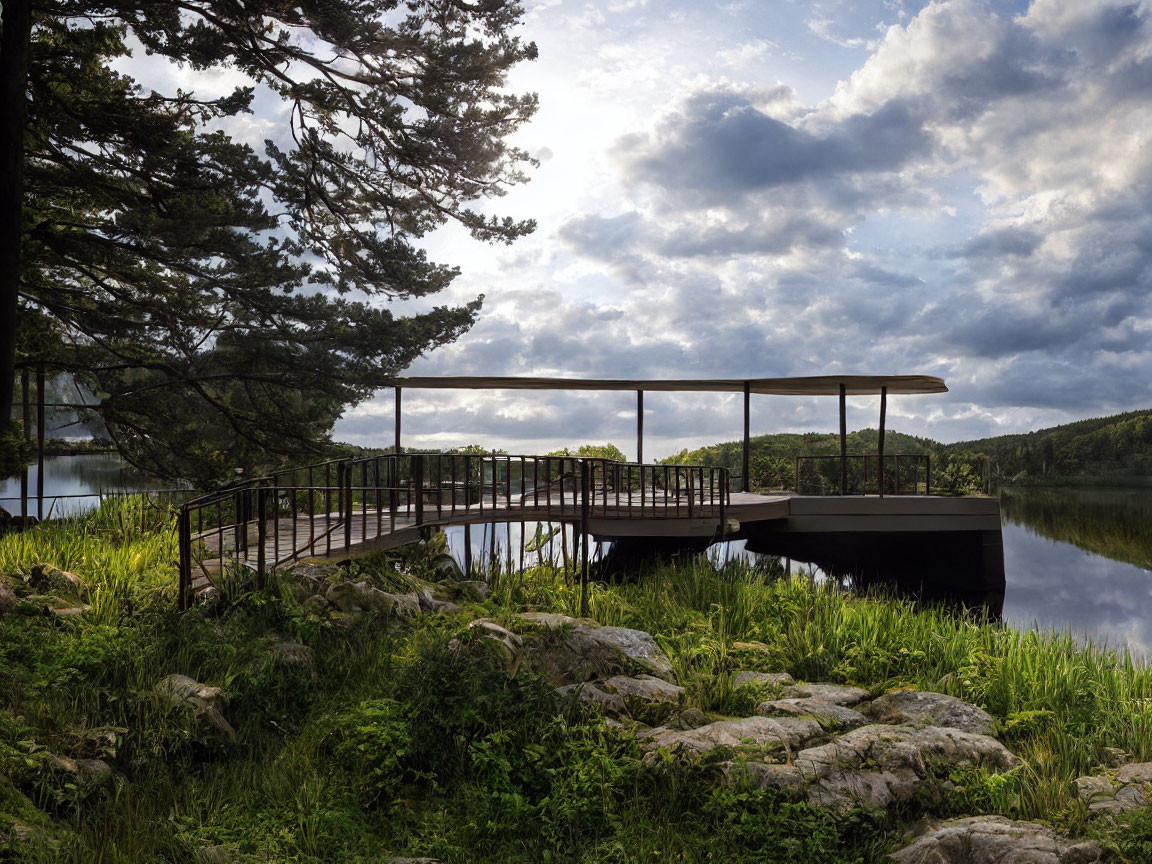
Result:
<point x="886" y="477"/>
<point x="323" y="506"/>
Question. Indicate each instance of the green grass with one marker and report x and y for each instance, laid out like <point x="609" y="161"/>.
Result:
<point x="402" y="746"/>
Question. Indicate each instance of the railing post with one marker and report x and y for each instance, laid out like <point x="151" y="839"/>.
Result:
<point x="184" y="542"/>
<point x="261" y="536"/>
<point x="418" y="486"/>
<point x="346" y="494"/>
<point x="927" y="474"/>
<point x="725" y="482"/>
<point x="393" y="490"/>
<point x="585" y="512"/>
<point x="239" y="538"/>
<point x="843" y="441"/>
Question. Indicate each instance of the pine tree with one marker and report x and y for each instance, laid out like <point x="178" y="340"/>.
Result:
<point x="226" y="301"/>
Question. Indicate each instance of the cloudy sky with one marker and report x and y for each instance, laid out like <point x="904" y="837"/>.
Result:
<point x="748" y="188"/>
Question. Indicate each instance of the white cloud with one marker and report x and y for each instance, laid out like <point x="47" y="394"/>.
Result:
<point x="974" y="200"/>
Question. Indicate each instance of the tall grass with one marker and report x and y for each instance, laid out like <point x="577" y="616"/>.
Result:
<point x="1059" y="703"/>
<point x="126" y="566"/>
<point x="401" y="746"/>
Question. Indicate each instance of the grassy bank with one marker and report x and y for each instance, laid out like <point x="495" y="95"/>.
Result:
<point x="400" y="746"/>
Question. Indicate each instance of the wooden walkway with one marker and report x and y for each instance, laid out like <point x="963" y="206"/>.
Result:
<point x="345" y="508"/>
<point x="330" y="536"/>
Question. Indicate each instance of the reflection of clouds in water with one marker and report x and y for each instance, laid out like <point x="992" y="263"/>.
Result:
<point x="1056" y="585"/>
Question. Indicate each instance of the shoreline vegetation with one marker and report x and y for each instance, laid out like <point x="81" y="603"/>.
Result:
<point x="342" y="737"/>
<point x="1112" y="450"/>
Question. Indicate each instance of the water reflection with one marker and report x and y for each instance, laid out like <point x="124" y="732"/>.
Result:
<point x="72" y="484"/>
<point x="1071" y="556"/>
<point x="1109" y="521"/>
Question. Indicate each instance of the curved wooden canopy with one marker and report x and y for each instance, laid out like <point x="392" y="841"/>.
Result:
<point x="814" y="385"/>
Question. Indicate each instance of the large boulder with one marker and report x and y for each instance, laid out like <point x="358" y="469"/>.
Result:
<point x="429" y="602"/>
<point x="828" y="714"/>
<point x="876" y="766"/>
<point x="180" y="691"/>
<point x="642" y="697"/>
<point x="307" y="579"/>
<point x="84" y="776"/>
<point x="643" y="688"/>
<point x="487" y="632"/>
<point x="49" y="579"/>
<point x="8" y="599"/>
<point x="567" y="650"/>
<point x="836" y="694"/>
<point x="936" y="709"/>
<point x="1126" y="788"/>
<point x="359" y="597"/>
<point x="590" y="692"/>
<point x="754" y="736"/>
<point x="996" y="840"/>
<point x="293" y="657"/>
<point x="774" y="680"/>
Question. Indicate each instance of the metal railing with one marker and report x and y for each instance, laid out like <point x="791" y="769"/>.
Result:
<point x="235" y="524"/>
<point x="864" y="474"/>
<point x="329" y="507"/>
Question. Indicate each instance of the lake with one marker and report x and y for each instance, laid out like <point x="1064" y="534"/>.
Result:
<point x="72" y="484"/>
<point x="1076" y="558"/>
<point x="1080" y="559"/>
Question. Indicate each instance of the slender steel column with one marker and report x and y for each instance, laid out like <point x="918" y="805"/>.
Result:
<point x="40" y="442"/>
<point x="26" y="405"/>
<point x="639" y="425"/>
<point x="880" y="442"/>
<point x="396" y="448"/>
<point x="746" y="456"/>
<point x="843" y="441"/>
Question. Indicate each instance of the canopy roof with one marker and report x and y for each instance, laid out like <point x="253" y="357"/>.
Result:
<point x="815" y="385"/>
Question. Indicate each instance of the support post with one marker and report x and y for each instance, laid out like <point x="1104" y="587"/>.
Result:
<point x="27" y="417"/>
<point x="396" y="446"/>
<point x="880" y="440"/>
<point x="467" y="550"/>
<point x="843" y="440"/>
<point x="40" y="442"/>
<point x="239" y="526"/>
<point x="746" y="455"/>
<point x="184" y="543"/>
<point x="640" y="426"/>
<point x="261" y="536"/>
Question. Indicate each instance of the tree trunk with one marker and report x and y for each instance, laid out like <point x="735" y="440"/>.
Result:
<point x="15" y="45"/>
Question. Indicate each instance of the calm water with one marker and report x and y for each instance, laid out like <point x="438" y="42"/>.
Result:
<point x="85" y="476"/>
<point x="1077" y="559"/>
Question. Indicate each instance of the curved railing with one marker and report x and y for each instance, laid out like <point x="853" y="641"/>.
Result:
<point x="329" y="507"/>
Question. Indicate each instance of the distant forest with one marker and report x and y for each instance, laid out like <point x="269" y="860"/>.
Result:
<point x="1119" y="446"/>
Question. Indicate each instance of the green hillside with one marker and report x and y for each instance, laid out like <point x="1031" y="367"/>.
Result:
<point x="1105" y="448"/>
